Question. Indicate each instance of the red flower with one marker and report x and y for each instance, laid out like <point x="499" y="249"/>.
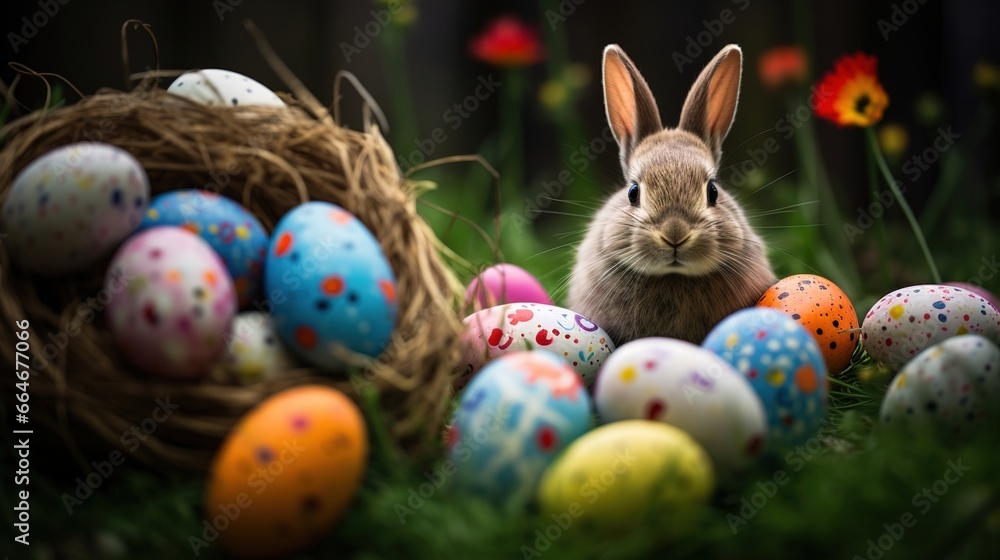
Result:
<point x="782" y="65"/>
<point x="851" y="94"/>
<point x="507" y="42"/>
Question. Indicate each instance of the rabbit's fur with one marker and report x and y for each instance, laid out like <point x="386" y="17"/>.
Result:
<point x="672" y="264"/>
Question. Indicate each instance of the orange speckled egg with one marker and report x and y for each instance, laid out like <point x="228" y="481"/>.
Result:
<point x="285" y="474"/>
<point x="823" y="309"/>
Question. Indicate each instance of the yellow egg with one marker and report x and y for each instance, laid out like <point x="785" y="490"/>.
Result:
<point x="285" y="474"/>
<point x="626" y="473"/>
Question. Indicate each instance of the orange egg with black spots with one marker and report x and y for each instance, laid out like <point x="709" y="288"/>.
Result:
<point x="823" y="309"/>
<point x="285" y="474"/>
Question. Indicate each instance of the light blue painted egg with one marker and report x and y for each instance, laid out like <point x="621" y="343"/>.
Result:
<point x="229" y="228"/>
<point x="330" y="285"/>
<point x="513" y="419"/>
<point x="785" y="367"/>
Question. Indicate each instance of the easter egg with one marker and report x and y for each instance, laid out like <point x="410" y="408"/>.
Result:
<point x="286" y="472"/>
<point x="624" y="474"/>
<point x="515" y="327"/>
<point x="990" y="296"/>
<point x="783" y="364"/>
<point x="172" y="302"/>
<point x="506" y="283"/>
<point x="953" y="385"/>
<point x="684" y="385"/>
<point x="72" y="206"/>
<point x="908" y="320"/>
<point x="511" y="422"/>
<point x="824" y="310"/>
<point x="331" y="286"/>
<point x="223" y="87"/>
<point x="235" y="234"/>
<point x="254" y="351"/>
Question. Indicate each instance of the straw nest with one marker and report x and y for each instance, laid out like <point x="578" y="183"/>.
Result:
<point x="269" y="159"/>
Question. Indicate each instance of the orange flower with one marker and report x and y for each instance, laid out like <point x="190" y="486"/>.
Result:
<point x="783" y="65"/>
<point x="507" y="42"/>
<point x="851" y="94"/>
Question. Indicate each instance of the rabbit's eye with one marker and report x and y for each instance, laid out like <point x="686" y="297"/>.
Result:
<point x="633" y="194"/>
<point x="713" y="192"/>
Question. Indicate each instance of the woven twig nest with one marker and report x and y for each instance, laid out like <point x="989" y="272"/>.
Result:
<point x="269" y="159"/>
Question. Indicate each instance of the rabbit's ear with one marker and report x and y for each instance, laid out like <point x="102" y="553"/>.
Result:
<point x="631" y="109"/>
<point x="711" y="104"/>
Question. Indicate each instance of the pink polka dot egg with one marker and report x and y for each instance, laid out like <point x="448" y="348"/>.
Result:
<point x="908" y="320"/>
<point x="72" y="206"/>
<point x="172" y="302"/>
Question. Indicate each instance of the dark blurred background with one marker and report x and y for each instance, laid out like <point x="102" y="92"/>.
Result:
<point x="926" y="64"/>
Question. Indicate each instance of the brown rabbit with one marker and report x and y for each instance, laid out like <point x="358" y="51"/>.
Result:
<point x="670" y="253"/>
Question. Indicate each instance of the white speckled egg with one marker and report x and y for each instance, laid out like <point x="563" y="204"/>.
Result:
<point x="254" y="351"/>
<point x="172" y="302"/>
<point x="908" y="320"/>
<point x="223" y="87"/>
<point x="72" y="206"/>
<point x="499" y="330"/>
<point x="954" y="384"/>
<point x="684" y="385"/>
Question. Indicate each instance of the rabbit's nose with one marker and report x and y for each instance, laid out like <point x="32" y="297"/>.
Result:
<point x="675" y="233"/>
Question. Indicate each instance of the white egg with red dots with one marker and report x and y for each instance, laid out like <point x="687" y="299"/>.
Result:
<point x="515" y="327"/>
<point x="223" y="88"/>
<point x="954" y="385"/>
<point x="684" y="385"/>
<point x="72" y="206"/>
<point x="908" y="320"/>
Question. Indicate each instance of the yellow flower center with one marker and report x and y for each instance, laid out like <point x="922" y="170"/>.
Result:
<point x="861" y="102"/>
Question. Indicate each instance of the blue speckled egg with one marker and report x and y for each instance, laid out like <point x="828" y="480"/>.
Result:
<point x="512" y="420"/>
<point x="784" y="365"/>
<point x="229" y="228"/>
<point x="330" y="285"/>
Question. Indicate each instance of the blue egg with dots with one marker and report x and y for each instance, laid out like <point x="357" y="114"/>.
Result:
<point x="513" y="419"/>
<point x="331" y="288"/>
<point x="229" y="228"/>
<point x="784" y="366"/>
